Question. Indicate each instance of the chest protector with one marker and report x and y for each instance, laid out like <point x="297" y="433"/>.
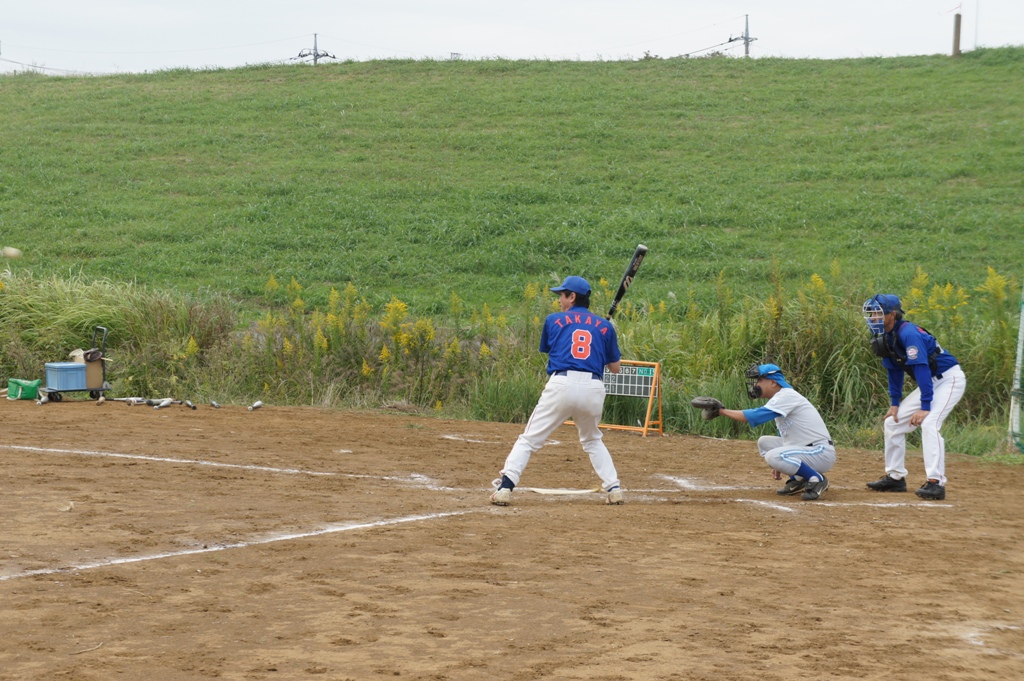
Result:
<point x="894" y="350"/>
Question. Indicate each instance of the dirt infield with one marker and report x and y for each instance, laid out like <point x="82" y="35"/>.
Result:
<point x="310" y="544"/>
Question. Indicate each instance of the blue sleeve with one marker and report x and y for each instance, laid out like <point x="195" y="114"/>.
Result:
<point x="756" y="417"/>
<point x="545" y="342"/>
<point x="923" y="376"/>
<point x="895" y="385"/>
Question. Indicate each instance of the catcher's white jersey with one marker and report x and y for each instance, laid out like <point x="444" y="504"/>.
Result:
<point x="799" y="423"/>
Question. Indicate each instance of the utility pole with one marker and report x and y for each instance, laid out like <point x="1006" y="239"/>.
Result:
<point x="746" y="37"/>
<point x="315" y="53"/>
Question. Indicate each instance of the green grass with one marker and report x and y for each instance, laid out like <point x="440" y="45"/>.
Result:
<point x="416" y="178"/>
<point x="160" y="205"/>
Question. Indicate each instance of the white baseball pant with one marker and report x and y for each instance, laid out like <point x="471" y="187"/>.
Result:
<point x="579" y="396"/>
<point x="946" y="392"/>
<point x="787" y="458"/>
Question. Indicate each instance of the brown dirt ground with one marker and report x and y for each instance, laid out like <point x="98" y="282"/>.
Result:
<point x="704" y="574"/>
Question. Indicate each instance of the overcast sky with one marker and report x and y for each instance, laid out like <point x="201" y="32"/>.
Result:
<point x="112" y="36"/>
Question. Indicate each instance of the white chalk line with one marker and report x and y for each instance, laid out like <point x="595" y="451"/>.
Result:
<point x="330" y="529"/>
<point x="688" y="484"/>
<point x="462" y="438"/>
<point x="417" y="479"/>
<point x="976" y="637"/>
<point x="767" y="504"/>
<point x="164" y="459"/>
<point x="894" y="504"/>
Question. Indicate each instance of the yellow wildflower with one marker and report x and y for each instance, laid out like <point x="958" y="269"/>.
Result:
<point x="272" y="285"/>
<point x="485" y="352"/>
<point x="367" y="369"/>
<point x="294" y="288"/>
<point x="192" y="349"/>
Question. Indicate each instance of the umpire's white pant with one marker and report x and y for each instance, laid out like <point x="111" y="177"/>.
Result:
<point x="946" y="392"/>
<point x="787" y="458"/>
<point x="579" y="396"/>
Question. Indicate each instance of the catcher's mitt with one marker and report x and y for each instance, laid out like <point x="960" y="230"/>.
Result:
<point x="709" y="406"/>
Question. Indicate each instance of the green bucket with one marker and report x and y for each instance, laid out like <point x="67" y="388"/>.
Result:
<point x="20" y="389"/>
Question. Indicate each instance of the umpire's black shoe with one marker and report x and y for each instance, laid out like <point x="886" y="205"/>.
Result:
<point x="792" y="486"/>
<point x="932" y="491"/>
<point x="815" y="489"/>
<point x="888" y="484"/>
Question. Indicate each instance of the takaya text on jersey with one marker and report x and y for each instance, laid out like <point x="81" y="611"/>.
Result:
<point x="579" y="340"/>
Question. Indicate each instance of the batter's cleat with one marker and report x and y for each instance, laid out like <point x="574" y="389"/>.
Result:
<point x="888" y="484"/>
<point x="502" y="497"/>
<point x="792" y="486"/>
<point x="815" y="489"/>
<point x="932" y="491"/>
<point x="615" y="497"/>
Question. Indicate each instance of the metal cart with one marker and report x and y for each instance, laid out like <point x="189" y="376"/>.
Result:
<point x="98" y="353"/>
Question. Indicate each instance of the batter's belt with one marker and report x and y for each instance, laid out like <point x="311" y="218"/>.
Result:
<point x="597" y="377"/>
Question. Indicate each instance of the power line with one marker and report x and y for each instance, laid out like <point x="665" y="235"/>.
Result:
<point x="47" y="68"/>
<point x="198" y="49"/>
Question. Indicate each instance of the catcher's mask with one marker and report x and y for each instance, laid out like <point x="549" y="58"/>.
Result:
<point x="756" y="372"/>
<point x="876" y="307"/>
<point x="753" y="374"/>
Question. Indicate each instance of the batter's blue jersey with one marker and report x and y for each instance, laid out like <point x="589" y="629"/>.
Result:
<point x="579" y="340"/>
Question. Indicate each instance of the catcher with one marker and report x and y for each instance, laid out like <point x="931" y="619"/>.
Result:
<point x="803" y="450"/>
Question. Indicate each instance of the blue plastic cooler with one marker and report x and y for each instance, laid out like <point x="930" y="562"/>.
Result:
<point x="65" y="376"/>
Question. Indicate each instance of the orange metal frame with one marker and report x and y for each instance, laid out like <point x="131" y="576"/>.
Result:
<point x="654" y="395"/>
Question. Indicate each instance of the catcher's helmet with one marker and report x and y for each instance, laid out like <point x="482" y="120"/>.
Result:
<point x="756" y="372"/>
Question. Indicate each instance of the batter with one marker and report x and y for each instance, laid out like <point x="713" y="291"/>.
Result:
<point x="579" y="345"/>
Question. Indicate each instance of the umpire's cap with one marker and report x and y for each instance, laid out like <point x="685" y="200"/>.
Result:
<point x="577" y="285"/>
<point x="889" y="302"/>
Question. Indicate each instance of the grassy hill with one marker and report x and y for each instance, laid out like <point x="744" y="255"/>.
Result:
<point x="418" y="178"/>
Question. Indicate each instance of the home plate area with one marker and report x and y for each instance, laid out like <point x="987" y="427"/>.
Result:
<point x="297" y="543"/>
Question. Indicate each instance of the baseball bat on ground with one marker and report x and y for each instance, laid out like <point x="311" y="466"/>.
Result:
<point x="627" y="278"/>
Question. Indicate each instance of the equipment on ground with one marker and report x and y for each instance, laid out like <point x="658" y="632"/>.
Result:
<point x="88" y="375"/>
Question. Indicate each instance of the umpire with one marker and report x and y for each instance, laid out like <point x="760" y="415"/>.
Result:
<point x="908" y="349"/>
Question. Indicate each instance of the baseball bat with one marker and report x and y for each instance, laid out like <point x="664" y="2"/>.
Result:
<point x="627" y="278"/>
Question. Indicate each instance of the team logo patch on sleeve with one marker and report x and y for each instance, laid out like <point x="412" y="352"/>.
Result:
<point x="912" y="352"/>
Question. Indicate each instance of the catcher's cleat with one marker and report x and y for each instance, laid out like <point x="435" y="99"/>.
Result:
<point x="502" y="497"/>
<point x="888" y="484"/>
<point x="815" y="489"/>
<point x="932" y="491"/>
<point x="792" y="486"/>
<point x="615" y="497"/>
